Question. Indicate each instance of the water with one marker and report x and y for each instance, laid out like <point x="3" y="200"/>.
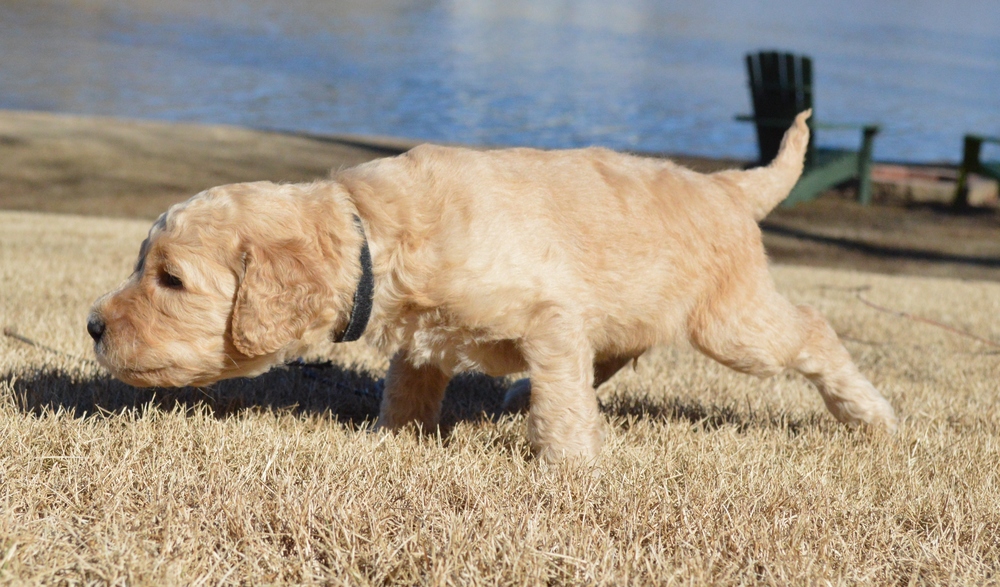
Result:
<point x="631" y="74"/>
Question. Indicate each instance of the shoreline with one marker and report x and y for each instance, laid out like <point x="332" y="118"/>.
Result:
<point x="119" y="167"/>
<point x="125" y="168"/>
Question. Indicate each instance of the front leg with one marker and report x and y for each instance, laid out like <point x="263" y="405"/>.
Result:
<point x="563" y="420"/>
<point x="412" y="395"/>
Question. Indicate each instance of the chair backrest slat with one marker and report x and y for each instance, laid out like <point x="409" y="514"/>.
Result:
<point x="780" y="88"/>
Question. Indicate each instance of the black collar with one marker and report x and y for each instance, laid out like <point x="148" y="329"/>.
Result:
<point x="363" y="295"/>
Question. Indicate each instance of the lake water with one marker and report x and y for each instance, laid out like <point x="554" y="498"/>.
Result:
<point x="632" y="74"/>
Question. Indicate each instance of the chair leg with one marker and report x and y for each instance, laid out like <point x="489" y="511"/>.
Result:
<point x="970" y="161"/>
<point x="865" y="165"/>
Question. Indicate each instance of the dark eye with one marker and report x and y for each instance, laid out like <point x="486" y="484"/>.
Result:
<point x="170" y="281"/>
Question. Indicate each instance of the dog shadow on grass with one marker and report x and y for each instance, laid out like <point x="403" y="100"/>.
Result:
<point x="347" y="395"/>
<point x="627" y="409"/>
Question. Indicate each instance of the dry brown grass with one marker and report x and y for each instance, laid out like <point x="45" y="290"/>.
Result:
<point x="708" y="476"/>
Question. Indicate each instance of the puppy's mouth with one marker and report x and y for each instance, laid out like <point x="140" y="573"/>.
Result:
<point x="136" y="372"/>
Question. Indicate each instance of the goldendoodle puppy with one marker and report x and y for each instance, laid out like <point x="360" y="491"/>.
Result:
<point x="564" y="264"/>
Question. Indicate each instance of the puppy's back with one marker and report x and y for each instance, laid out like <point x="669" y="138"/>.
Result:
<point x="585" y="224"/>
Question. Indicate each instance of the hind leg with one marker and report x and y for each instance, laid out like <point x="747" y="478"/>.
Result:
<point x="849" y="396"/>
<point x="761" y="333"/>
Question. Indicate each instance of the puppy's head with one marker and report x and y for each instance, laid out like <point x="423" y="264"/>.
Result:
<point x="231" y="282"/>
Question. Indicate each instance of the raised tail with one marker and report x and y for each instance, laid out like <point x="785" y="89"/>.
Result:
<point x="766" y="187"/>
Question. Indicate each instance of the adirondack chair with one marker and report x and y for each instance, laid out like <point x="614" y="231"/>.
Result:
<point x="971" y="163"/>
<point x="780" y="87"/>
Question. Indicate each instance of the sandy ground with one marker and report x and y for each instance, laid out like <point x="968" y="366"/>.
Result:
<point x="136" y="169"/>
<point x="126" y="168"/>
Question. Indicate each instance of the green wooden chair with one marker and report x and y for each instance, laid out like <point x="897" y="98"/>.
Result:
<point x="972" y="163"/>
<point x="781" y="86"/>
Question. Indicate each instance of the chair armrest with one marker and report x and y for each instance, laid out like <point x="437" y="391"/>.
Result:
<point x="871" y="129"/>
<point x="982" y="139"/>
<point x="847" y="126"/>
<point x="868" y="132"/>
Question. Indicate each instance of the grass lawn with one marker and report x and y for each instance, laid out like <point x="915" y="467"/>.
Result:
<point x="708" y="476"/>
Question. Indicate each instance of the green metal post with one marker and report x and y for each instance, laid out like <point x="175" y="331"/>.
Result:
<point x="865" y="165"/>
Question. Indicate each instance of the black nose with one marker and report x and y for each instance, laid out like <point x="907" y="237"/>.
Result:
<point x="95" y="326"/>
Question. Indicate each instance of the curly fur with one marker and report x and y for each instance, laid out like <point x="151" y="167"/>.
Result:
<point x="565" y="264"/>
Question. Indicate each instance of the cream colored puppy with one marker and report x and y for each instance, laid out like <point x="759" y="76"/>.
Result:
<point x="564" y="264"/>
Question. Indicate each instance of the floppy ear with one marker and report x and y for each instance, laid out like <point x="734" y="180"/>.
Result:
<point x="283" y="289"/>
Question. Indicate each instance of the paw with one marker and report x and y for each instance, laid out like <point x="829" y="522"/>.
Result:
<point x="579" y="449"/>
<point x="566" y="439"/>
<point x="518" y="397"/>
<point x="867" y="407"/>
<point x="882" y="416"/>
